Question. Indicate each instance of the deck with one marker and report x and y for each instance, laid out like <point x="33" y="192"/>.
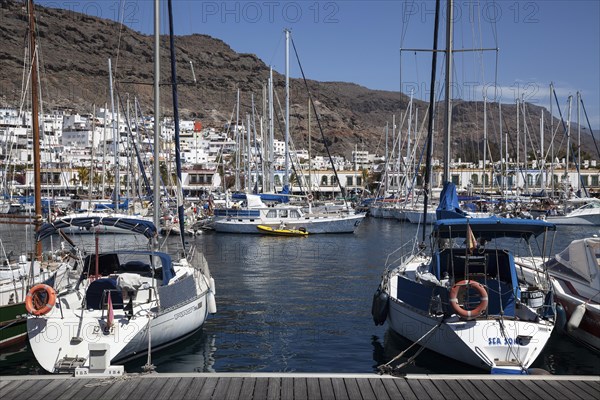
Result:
<point x="224" y="386"/>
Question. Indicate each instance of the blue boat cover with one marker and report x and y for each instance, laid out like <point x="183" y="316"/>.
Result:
<point x="449" y="207"/>
<point x="491" y="227"/>
<point x="135" y="225"/>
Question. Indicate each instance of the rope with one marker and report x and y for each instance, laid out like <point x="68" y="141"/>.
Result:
<point x="387" y="369"/>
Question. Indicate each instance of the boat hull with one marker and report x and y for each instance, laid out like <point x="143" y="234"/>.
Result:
<point x="479" y="343"/>
<point x="344" y="224"/>
<point x="55" y="340"/>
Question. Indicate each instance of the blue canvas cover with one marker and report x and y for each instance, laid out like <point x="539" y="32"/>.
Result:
<point x="449" y="207"/>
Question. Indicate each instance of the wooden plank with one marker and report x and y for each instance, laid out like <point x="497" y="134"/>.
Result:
<point x="364" y="386"/>
<point x="326" y="389"/>
<point x="418" y="389"/>
<point x="432" y="389"/>
<point x="66" y="385"/>
<point x="183" y="384"/>
<point x="405" y="389"/>
<point x="261" y="386"/>
<point x="509" y="387"/>
<point x="444" y="388"/>
<point x="129" y="388"/>
<point x="476" y="391"/>
<point x="274" y="389"/>
<point x="157" y="383"/>
<point x="352" y="388"/>
<point x="46" y="391"/>
<point x="300" y="390"/>
<point x="12" y="385"/>
<point x="119" y="387"/>
<point x="459" y="390"/>
<point x="590" y="387"/>
<point x="525" y="387"/>
<point x="567" y="391"/>
<point x="378" y="389"/>
<point x="74" y="390"/>
<point x="247" y="389"/>
<point x="4" y="383"/>
<point x="166" y="392"/>
<point x="24" y="387"/>
<point x="287" y="388"/>
<point x="100" y="388"/>
<point x="313" y="390"/>
<point x="232" y="387"/>
<point x="208" y="388"/>
<point x="494" y="387"/>
<point x="392" y="389"/>
<point x="339" y="389"/>
<point x="545" y="390"/>
<point x="191" y="389"/>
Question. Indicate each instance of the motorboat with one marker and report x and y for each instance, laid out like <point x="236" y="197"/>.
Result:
<point x="575" y="276"/>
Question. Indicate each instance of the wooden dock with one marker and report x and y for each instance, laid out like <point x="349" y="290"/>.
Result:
<point x="293" y="386"/>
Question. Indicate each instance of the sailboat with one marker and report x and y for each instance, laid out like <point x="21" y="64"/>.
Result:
<point x="17" y="277"/>
<point x="128" y="302"/>
<point x="256" y="213"/>
<point x="465" y="297"/>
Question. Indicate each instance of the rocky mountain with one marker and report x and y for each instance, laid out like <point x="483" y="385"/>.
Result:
<point x="74" y="49"/>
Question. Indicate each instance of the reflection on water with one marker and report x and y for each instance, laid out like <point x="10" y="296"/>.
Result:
<point x="302" y="304"/>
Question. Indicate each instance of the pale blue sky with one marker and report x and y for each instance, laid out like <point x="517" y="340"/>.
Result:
<point x="359" y="41"/>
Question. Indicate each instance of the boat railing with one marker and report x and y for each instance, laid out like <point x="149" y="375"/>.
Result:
<point x="402" y="253"/>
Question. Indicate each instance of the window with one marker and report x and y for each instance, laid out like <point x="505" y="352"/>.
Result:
<point x="594" y="180"/>
<point x="272" y="214"/>
<point x="294" y="214"/>
<point x="456" y="179"/>
<point x="324" y="180"/>
<point x="349" y="181"/>
<point x="475" y="179"/>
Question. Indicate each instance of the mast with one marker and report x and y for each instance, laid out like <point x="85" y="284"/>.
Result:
<point x="448" y="90"/>
<point x="286" y="178"/>
<point x="485" y="144"/>
<point x="115" y="129"/>
<point x="578" y="143"/>
<point x="179" y="194"/>
<point x="35" y="127"/>
<point x="543" y="156"/>
<point x="430" y="120"/>
<point x="156" y="193"/>
<point x="238" y="143"/>
<point x="271" y="133"/>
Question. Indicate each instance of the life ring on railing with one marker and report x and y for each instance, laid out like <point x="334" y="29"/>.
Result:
<point x="483" y="301"/>
<point x="310" y="197"/>
<point x="40" y="299"/>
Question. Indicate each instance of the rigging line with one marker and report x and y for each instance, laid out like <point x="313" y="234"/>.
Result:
<point x="121" y="23"/>
<point x="342" y="189"/>
<point x="589" y="126"/>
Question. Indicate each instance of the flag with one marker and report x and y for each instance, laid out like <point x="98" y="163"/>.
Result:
<point x="111" y="315"/>
<point x="471" y="242"/>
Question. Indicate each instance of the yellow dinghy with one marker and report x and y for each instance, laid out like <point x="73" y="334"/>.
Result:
<point x="282" y="231"/>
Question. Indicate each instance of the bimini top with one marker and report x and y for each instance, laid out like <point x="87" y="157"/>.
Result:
<point x="135" y="225"/>
<point x="492" y="227"/>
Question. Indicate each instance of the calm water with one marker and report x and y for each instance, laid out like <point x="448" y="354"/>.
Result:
<point x="303" y="305"/>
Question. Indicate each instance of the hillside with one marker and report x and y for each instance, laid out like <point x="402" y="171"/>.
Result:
<point x="75" y="49"/>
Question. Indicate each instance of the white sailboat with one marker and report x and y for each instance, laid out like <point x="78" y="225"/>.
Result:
<point x="127" y="302"/>
<point x="464" y="298"/>
<point x="255" y="213"/>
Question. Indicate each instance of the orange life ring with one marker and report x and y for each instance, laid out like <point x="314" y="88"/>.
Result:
<point x="469" y="314"/>
<point x="38" y="304"/>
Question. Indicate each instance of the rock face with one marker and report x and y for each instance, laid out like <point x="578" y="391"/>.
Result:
<point x="74" y="50"/>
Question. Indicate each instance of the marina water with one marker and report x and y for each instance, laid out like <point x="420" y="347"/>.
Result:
<point x="301" y="305"/>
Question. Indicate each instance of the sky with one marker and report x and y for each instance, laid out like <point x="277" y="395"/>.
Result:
<point x="539" y="42"/>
